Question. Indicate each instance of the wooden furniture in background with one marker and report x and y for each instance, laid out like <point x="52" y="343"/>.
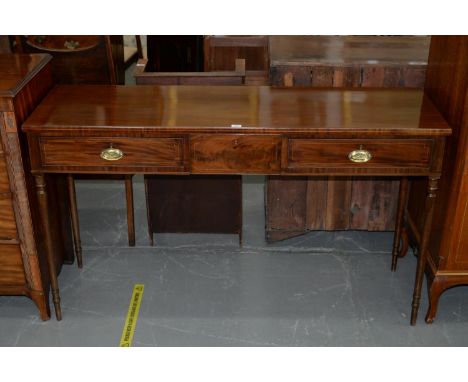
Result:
<point x="193" y="204"/>
<point x="79" y="59"/>
<point x="84" y="60"/>
<point x="296" y="206"/>
<point x="26" y="268"/>
<point x="4" y="45"/>
<point x="220" y="52"/>
<point x="189" y="130"/>
<point x="180" y="53"/>
<point x="144" y="77"/>
<point x="447" y="87"/>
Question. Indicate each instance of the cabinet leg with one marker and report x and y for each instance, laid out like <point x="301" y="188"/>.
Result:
<point x="399" y="220"/>
<point x="41" y="190"/>
<point x="432" y="187"/>
<point x="435" y="290"/>
<point x="130" y="210"/>
<point x="74" y="220"/>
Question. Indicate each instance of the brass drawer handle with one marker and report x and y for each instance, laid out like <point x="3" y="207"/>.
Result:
<point x="360" y="156"/>
<point x="112" y="154"/>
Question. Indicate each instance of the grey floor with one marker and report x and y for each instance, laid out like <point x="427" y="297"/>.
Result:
<point x="322" y="289"/>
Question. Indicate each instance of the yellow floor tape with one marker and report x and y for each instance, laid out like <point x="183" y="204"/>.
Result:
<point x="132" y="316"/>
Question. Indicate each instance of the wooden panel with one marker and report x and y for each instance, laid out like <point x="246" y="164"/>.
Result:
<point x="4" y="182"/>
<point x="160" y="152"/>
<point x="11" y="265"/>
<point x="221" y="51"/>
<point x="392" y="153"/>
<point x="7" y="218"/>
<point x="235" y="154"/>
<point x="292" y="215"/>
<point x="195" y="203"/>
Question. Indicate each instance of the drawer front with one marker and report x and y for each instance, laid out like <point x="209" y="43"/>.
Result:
<point x="7" y="218"/>
<point x="307" y="153"/>
<point x="4" y="183"/>
<point x="235" y="154"/>
<point x="137" y="152"/>
<point x="11" y="265"/>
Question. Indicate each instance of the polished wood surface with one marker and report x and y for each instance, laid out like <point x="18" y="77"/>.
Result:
<point x="277" y="131"/>
<point x="24" y="266"/>
<point x="249" y="109"/>
<point x="16" y="71"/>
<point x="447" y="87"/>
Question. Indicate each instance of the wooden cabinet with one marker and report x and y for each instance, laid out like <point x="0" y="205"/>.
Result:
<point x="24" y="266"/>
<point x="447" y="86"/>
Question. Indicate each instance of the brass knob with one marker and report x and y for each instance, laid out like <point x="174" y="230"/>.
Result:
<point x="360" y="156"/>
<point x="112" y="154"/>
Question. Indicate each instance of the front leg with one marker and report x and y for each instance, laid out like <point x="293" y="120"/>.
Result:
<point x="41" y="190"/>
<point x="432" y="187"/>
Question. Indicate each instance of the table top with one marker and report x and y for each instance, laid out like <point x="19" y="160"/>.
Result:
<point x="237" y="109"/>
<point x="18" y="69"/>
<point x="349" y="50"/>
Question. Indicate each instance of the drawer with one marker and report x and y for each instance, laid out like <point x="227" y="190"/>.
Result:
<point x="4" y="183"/>
<point x="137" y="152"/>
<point x="235" y="154"/>
<point x="11" y="265"/>
<point x="397" y="153"/>
<point x="7" y="218"/>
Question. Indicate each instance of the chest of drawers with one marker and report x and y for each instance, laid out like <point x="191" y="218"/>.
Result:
<point x="24" y="266"/>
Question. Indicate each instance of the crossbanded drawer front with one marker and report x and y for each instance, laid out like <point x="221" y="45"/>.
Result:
<point x="11" y="265"/>
<point x="235" y="154"/>
<point x="307" y="153"/>
<point x="7" y="218"/>
<point x="136" y="152"/>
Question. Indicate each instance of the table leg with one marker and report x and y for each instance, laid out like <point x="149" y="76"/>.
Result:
<point x="41" y="190"/>
<point x="432" y="187"/>
<point x="399" y="220"/>
<point x="130" y="210"/>
<point x="74" y="220"/>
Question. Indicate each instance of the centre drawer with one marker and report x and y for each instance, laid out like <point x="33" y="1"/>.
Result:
<point x="114" y="152"/>
<point x="367" y="153"/>
<point x="235" y="154"/>
<point x="7" y="218"/>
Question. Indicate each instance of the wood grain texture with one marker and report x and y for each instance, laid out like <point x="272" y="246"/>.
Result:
<point x="11" y="266"/>
<point x="119" y="110"/>
<point x="7" y="218"/>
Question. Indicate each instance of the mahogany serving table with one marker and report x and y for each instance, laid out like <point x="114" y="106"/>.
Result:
<point x="239" y="130"/>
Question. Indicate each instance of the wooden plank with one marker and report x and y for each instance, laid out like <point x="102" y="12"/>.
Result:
<point x="286" y="203"/>
<point x="338" y="201"/>
<point x="316" y="195"/>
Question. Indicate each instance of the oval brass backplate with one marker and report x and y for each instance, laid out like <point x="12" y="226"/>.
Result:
<point x="359" y="156"/>
<point x="111" y="154"/>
